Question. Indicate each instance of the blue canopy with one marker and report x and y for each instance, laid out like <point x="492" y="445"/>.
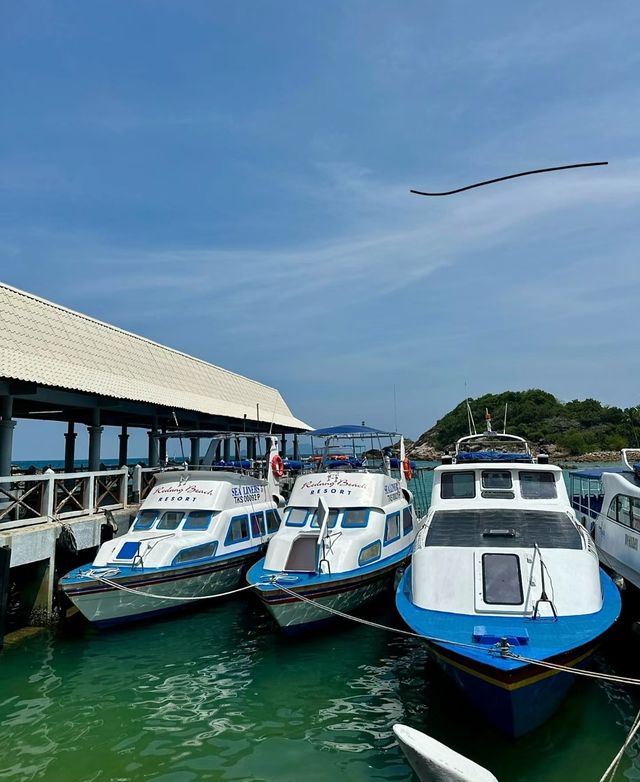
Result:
<point x="595" y="472"/>
<point x="348" y="430"/>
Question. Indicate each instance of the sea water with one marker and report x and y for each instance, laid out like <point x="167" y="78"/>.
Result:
<point x="219" y="693"/>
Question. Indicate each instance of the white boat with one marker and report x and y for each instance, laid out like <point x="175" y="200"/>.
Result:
<point x="434" y="761"/>
<point x="503" y="570"/>
<point x="607" y="501"/>
<point x="348" y="529"/>
<point x="193" y="537"/>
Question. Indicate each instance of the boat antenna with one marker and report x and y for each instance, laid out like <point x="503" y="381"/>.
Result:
<point x="487" y="418"/>
<point x="395" y="408"/>
<point x="175" y="420"/>
<point x="504" y="425"/>
<point x="471" y="423"/>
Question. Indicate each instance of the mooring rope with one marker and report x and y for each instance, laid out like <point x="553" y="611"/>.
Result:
<point x="613" y="766"/>
<point x="115" y="585"/>
<point x="492" y="651"/>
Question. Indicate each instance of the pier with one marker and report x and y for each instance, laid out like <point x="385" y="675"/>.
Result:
<point x="60" y="365"/>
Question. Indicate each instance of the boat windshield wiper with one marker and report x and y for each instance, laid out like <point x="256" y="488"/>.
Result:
<point x="544" y="598"/>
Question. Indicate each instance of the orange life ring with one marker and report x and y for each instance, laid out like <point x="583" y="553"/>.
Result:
<point x="406" y="469"/>
<point x="277" y="466"/>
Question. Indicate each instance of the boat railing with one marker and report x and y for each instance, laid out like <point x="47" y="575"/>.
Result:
<point x="34" y="499"/>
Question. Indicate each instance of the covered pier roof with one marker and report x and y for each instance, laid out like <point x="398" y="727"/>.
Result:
<point x="56" y="363"/>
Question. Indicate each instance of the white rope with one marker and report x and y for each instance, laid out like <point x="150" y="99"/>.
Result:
<point x="491" y="651"/>
<point x="358" y="620"/>
<point x="613" y="766"/>
<point x="115" y="585"/>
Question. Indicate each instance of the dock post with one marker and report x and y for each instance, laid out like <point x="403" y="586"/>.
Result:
<point x="194" y="461"/>
<point x="123" y="437"/>
<point x="6" y="435"/>
<point x="70" y="447"/>
<point x="153" y="445"/>
<point x="5" y="566"/>
<point x="95" y="434"/>
<point x="296" y="448"/>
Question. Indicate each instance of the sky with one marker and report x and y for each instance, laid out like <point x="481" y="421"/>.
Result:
<point x="232" y="179"/>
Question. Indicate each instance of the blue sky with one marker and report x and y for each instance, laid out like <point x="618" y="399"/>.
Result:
<point x="231" y="179"/>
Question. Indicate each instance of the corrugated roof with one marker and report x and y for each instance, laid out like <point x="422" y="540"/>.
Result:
<point x="48" y="344"/>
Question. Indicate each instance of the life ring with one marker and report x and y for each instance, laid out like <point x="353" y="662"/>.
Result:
<point x="277" y="466"/>
<point x="406" y="469"/>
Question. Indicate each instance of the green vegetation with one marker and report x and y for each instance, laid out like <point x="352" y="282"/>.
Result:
<point x="575" y="427"/>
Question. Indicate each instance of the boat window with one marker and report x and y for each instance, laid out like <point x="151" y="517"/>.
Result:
<point x="198" y="520"/>
<point x="257" y="524"/>
<point x="635" y="513"/>
<point x="355" y="517"/>
<point x="457" y="485"/>
<point x="407" y="520"/>
<point x="296" y="517"/>
<point x="238" y="530"/>
<point x="170" y="519"/>
<point x="333" y="518"/>
<point x="537" y="485"/>
<point x="496" y="479"/>
<point x="370" y="553"/>
<point x="501" y="582"/>
<point x="273" y="521"/>
<point x="392" y="528"/>
<point x="204" y="551"/>
<point x="620" y="509"/>
<point x="145" y="519"/>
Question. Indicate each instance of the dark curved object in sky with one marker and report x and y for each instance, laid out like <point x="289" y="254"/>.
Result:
<point x="511" y="176"/>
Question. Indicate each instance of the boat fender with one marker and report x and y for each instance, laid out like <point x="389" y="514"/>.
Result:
<point x="406" y="469"/>
<point x="277" y="466"/>
<point x="435" y="762"/>
<point x="67" y="540"/>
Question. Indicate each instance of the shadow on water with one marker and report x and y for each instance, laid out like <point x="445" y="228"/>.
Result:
<point x="220" y="694"/>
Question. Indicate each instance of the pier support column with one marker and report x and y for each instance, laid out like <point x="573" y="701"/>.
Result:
<point x="95" y="435"/>
<point x="237" y="448"/>
<point x="70" y="448"/>
<point x="226" y="453"/>
<point x="6" y="435"/>
<point x="5" y="565"/>
<point x="153" y="446"/>
<point x="194" y="461"/>
<point x="251" y="447"/>
<point x="162" y="446"/>
<point x="283" y="447"/>
<point x="296" y="448"/>
<point x="123" y="437"/>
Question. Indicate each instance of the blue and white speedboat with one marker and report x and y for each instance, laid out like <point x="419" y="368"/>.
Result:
<point x="348" y="528"/>
<point x="502" y="576"/>
<point x="194" y="537"/>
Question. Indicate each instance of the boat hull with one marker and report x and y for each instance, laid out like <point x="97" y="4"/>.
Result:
<point x="515" y="696"/>
<point x="295" y="614"/>
<point x="106" y="605"/>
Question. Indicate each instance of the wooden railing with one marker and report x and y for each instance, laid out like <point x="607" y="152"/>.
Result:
<point x="32" y="499"/>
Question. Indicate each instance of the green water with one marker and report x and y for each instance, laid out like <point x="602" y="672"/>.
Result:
<point x="220" y="694"/>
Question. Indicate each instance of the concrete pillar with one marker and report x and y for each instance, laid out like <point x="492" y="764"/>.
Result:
<point x="70" y="448"/>
<point x="296" y="448"/>
<point x="283" y="446"/>
<point x="6" y="435"/>
<point x="162" y="446"/>
<point x="237" y="448"/>
<point x="218" y="451"/>
<point x="226" y="454"/>
<point x="251" y="448"/>
<point x="195" y="452"/>
<point x="153" y="446"/>
<point x="95" y="435"/>
<point x="123" y="437"/>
